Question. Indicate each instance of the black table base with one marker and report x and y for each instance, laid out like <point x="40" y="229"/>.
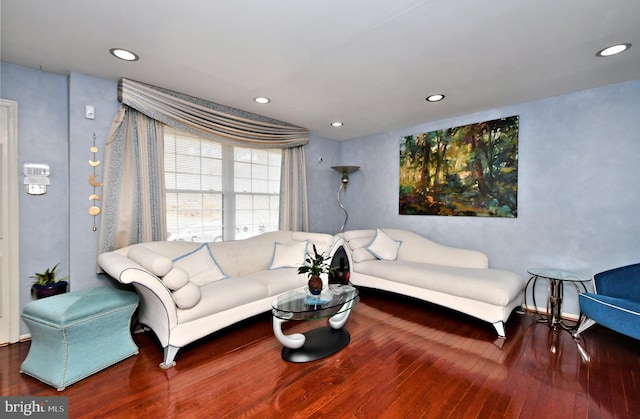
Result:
<point x="319" y="344"/>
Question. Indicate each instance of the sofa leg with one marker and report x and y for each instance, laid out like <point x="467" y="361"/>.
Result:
<point x="585" y="323"/>
<point x="583" y="353"/>
<point x="170" y="353"/>
<point x="499" y="326"/>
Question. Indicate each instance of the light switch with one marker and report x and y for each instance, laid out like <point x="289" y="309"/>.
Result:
<point x="89" y="112"/>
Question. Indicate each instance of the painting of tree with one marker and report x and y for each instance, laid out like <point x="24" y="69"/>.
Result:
<point x="470" y="170"/>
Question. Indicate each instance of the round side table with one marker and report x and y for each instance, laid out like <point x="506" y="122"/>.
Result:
<point x="555" y="292"/>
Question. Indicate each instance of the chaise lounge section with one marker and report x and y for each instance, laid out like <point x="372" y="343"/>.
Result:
<point x="407" y="263"/>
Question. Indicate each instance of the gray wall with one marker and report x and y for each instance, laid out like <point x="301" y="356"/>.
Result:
<point x="83" y="243"/>
<point x="578" y="199"/>
<point x="56" y="227"/>
<point x="578" y="193"/>
<point x="325" y="215"/>
<point x="43" y="137"/>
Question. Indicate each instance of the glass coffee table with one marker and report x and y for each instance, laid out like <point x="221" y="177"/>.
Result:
<point x="335" y="303"/>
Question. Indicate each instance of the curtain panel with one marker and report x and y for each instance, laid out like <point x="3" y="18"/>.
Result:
<point x="293" y="191"/>
<point x="133" y="202"/>
<point x="208" y="119"/>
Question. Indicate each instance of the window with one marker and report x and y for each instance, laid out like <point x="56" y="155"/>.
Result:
<point x="216" y="192"/>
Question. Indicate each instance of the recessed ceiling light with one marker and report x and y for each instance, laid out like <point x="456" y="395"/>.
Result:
<point x="337" y="124"/>
<point x="261" y="100"/>
<point x="435" y="98"/>
<point x="123" y="54"/>
<point x="613" y="50"/>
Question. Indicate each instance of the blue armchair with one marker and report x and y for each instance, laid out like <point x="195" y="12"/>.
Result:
<point x="616" y="303"/>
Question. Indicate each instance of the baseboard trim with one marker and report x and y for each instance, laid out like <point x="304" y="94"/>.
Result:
<point x="543" y="310"/>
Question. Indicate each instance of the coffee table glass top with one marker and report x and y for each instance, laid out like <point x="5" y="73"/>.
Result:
<point x="559" y="274"/>
<point x="299" y="304"/>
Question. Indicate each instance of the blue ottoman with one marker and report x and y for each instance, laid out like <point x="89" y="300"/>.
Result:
<point x="78" y="334"/>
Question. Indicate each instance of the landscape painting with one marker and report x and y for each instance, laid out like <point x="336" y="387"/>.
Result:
<point x="470" y="170"/>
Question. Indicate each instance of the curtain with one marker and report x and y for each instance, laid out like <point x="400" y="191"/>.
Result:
<point x="293" y="191"/>
<point x="133" y="201"/>
<point x="210" y="120"/>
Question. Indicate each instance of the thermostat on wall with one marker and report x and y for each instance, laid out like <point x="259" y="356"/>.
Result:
<point x="36" y="178"/>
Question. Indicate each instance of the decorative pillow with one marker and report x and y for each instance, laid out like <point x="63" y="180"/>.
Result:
<point x="359" y="251"/>
<point x="187" y="296"/>
<point x="176" y="278"/>
<point x="156" y="264"/>
<point x="362" y="254"/>
<point x="384" y="247"/>
<point x="201" y="266"/>
<point x="290" y="255"/>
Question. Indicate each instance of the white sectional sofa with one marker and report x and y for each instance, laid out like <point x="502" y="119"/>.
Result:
<point x="406" y="263"/>
<point x="189" y="290"/>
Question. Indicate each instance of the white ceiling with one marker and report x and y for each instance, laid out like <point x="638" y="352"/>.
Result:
<point x="368" y="63"/>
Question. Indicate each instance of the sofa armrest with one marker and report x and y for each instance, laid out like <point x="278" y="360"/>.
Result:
<point x="339" y="242"/>
<point x="417" y="248"/>
<point x="439" y="254"/>
<point x="154" y="295"/>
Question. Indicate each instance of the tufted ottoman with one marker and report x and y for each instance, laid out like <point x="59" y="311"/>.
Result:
<point x="78" y="334"/>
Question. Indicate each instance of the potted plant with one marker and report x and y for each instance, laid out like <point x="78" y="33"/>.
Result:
<point x="315" y="265"/>
<point x="47" y="283"/>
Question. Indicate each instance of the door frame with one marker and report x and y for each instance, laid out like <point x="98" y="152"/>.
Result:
<point x="9" y="231"/>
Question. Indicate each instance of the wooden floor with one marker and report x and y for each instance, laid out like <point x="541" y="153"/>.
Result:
<point x="406" y="359"/>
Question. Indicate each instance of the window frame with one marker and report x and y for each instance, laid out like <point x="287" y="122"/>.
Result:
<point x="228" y="193"/>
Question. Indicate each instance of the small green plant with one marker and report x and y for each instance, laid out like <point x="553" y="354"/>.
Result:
<point x="48" y="277"/>
<point x="316" y="264"/>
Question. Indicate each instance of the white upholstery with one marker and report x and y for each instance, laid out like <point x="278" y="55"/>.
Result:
<point x="154" y="263"/>
<point x="188" y="296"/>
<point x="289" y="255"/>
<point x="176" y="278"/>
<point x="384" y="247"/>
<point x="459" y="279"/>
<point x="180" y="312"/>
<point x="201" y="265"/>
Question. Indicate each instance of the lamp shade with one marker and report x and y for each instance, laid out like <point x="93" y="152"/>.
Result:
<point x="345" y="169"/>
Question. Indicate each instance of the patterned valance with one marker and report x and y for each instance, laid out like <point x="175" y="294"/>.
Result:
<point x="208" y="119"/>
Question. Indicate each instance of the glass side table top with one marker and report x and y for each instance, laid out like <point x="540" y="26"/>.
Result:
<point x="299" y="304"/>
<point x="559" y="274"/>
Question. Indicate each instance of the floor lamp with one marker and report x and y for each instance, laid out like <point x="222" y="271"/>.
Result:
<point x="344" y="170"/>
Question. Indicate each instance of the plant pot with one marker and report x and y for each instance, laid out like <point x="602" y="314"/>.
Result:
<point x="315" y="285"/>
<point x="42" y="291"/>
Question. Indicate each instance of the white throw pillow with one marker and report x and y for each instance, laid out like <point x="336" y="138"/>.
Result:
<point x="176" y="278"/>
<point x="187" y="296"/>
<point x="290" y="255"/>
<point x="359" y="251"/>
<point x="156" y="264"/>
<point x="384" y="247"/>
<point x="201" y="266"/>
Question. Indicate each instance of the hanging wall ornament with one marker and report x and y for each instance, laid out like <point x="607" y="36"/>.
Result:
<point x="94" y="210"/>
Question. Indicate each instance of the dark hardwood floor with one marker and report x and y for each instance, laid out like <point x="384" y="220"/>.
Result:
<point x="406" y="359"/>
